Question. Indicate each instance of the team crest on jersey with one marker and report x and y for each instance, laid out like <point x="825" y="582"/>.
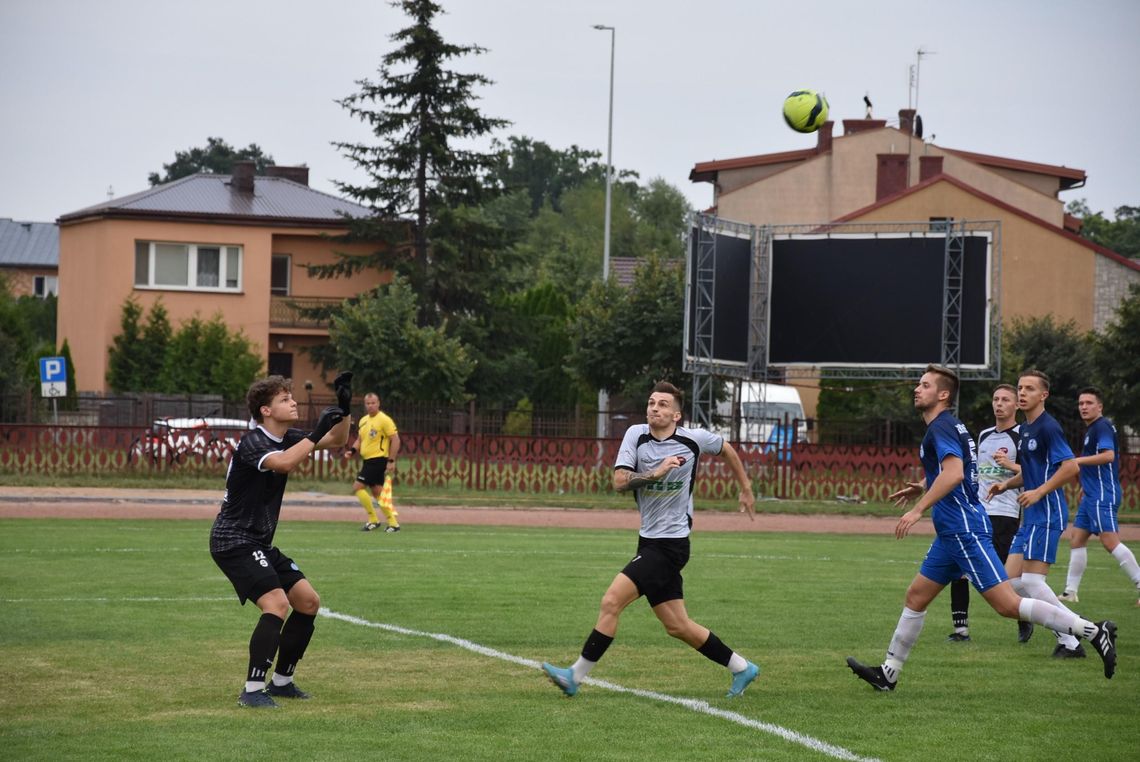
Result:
<point x="1086" y="440"/>
<point x="920" y="452"/>
<point x="1032" y="445"/>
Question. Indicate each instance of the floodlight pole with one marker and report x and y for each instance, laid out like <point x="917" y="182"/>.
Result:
<point x="603" y="398"/>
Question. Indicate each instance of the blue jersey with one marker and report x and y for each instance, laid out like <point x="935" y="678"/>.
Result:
<point x="960" y="511"/>
<point x="1101" y="484"/>
<point x="1040" y="453"/>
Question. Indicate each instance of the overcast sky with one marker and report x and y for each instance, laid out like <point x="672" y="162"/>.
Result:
<point x="96" y="95"/>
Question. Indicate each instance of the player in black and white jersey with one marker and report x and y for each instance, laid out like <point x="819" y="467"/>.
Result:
<point x="241" y="540"/>
<point x="997" y="461"/>
<point x="658" y="462"/>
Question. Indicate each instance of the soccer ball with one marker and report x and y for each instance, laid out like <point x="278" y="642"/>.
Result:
<point x="805" y="110"/>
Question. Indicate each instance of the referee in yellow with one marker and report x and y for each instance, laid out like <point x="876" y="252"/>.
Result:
<point x="378" y="442"/>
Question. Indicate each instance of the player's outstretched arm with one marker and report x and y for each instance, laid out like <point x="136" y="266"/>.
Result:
<point x="746" y="499"/>
<point x="950" y="477"/>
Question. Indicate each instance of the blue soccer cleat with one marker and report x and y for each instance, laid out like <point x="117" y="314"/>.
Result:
<point x="256" y="700"/>
<point x="563" y="678"/>
<point x="742" y="679"/>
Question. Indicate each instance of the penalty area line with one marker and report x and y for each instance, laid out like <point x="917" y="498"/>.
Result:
<point x="694" y="705"/>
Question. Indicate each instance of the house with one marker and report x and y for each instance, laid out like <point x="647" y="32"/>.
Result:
<point x="207" y="244"/>
<point x="29" y="257"/>
<point x="880" y="173"/>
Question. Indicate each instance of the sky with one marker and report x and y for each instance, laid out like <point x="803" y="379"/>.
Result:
<point x="97" y="95"/>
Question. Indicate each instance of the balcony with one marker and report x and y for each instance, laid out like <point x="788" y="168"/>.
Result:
<point x="297" y="311"/>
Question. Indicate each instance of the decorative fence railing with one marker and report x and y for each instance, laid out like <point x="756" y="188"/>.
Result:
<point x="529" y="465"/>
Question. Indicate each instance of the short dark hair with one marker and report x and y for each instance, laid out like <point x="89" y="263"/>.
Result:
<point x="946" y="380"/>
<point x="1007" y="387"/>
<point x="1037" y="374"/>
<point x="1094" y="392"/>
<point x="664" y="387"/>
<point x="262" y="393"/>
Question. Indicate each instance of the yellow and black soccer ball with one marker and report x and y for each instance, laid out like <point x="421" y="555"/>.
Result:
<point x="805" y="110"/>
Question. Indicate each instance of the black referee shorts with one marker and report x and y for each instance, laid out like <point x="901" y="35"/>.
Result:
<point x="656" y="569"/>
<point x="1005" y="527"/>
<point x="255" y="571"/>
<point x="372" y="472"/>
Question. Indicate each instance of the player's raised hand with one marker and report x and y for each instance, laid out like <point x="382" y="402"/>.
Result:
<point x="342" y="384"/>
<point x="903" y="496"/>
<point x="330" y="417"/>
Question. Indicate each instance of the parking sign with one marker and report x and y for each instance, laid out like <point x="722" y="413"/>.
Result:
<point x="53" y="377"/>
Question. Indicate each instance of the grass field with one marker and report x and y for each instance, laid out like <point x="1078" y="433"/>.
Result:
<point x="121" y="640"/>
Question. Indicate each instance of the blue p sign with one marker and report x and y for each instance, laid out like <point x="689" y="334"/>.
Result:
<point x="53" y="369"/>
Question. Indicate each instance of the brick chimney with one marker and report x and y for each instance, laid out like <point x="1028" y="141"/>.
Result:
<point x="928" y="167"/>
<point x="852" y="126"/>
<point x="891" y="176"/>
<point x="823" y="137"/>
<point x="296" y="174"/>
<point x="906" y="120"/>
<point x="241" y="180"/>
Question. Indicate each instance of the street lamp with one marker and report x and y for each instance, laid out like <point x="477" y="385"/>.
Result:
<point x="603" y="398"/>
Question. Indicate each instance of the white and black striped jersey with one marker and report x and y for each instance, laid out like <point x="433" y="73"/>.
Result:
<point x="666" y="506"/>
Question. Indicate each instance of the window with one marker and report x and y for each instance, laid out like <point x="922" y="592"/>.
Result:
<point x="42" y="285"/>
<point x="187" y="266"/>
<point x="279" y="278"/>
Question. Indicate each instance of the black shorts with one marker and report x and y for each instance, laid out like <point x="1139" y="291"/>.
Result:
<point x="255" y="571"/>
<point x="1005" y="527"/>
<point x="372" y="472"/>
<point x="656" y="569"/>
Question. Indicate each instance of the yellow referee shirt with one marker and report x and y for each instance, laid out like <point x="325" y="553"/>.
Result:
<point x="375" y="432"/>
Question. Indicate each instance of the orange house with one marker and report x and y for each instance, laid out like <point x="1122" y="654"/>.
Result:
<point x="234" y="245"/>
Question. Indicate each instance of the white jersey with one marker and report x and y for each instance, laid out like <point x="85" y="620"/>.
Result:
<point x="666" y="506"/>
<point x="990" y="442"/>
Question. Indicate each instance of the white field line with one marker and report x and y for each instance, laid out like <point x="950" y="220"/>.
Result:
<point x="695" y="705"/>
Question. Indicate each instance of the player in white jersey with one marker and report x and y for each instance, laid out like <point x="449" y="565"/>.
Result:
<point x="658" y="462"/>
<point x="1100" y="496"/>
<point x="997" y="461"/>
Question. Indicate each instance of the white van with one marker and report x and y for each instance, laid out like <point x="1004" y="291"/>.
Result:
<point x="765" y="411"/>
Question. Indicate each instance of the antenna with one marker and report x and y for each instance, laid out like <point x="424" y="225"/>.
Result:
<point x="915" y="69"/>
<point x="110" y="192"/>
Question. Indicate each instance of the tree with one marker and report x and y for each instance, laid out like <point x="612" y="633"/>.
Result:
<point x="138" y="352"/>
<point x="625" y="340"/>
<point x="203" y="357"/>
<point x="1121" y="235"/>
<point x="1065" y="355"/>
<point x="217" y="157"/>
<point x="421" y="113"/>
<point x="543" y="173"/>
<point x="377" y="337"/>
<point x="1115" y="353"/>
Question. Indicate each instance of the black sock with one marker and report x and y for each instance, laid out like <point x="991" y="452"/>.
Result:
<point x="596" y="646"/>
<point x="263" y="646"/>
<point x="716" y="650"/>
<point x="960" y="602"/>
<point x="295" y="637"/>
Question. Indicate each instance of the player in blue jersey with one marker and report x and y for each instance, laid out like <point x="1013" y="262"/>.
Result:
<point x="1047" y="464"/>
<point x="1100" y="496"/>
<point x="962" y="544"/>
<point x="657" y="462"/>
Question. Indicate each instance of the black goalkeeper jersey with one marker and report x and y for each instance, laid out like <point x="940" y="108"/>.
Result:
<point x="252" y="503"/>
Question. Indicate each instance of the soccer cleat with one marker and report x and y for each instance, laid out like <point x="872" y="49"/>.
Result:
<point x="563" y="678"/>
<point x="958" y="637"/>
<point x="742" y="679"/>
<point x="1060" y="652"/>
<point x="1105" y="644"/>
<point x="873" y="675"/>
<point x="1024" y="631"/>
<point x="288" y="690"/>
<point x="256" y="700"/>
<point x="1069" y="596"/>
<point x="369" y="527"/>
<point x="393" y="529"/>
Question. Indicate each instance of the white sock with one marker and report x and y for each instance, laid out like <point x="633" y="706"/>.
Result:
<point x="1037" y="588"/>
<point x="254" y="685"/>
<point x="906" y="634"/>
<point x="1056" y="618"/>
<point x="1078" y="561"/>
<point x="1127" y="562"/>
<point x="737" y="663"/>
<point x="1018" y="586"/>
<point x="582" y="668"/>
<point x="282" y="679"/>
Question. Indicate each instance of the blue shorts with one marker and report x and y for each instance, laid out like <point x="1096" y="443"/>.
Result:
<point x="1095" y="517"/>
<point x="953" y="555"/>
<point x="1036" y="543"/>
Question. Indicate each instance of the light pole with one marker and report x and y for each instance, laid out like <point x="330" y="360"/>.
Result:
<point x="603" y="398"/>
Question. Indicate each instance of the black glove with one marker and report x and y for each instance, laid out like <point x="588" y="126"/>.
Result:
<point x="330" y="417"/>
<point x="343" y="386"/>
